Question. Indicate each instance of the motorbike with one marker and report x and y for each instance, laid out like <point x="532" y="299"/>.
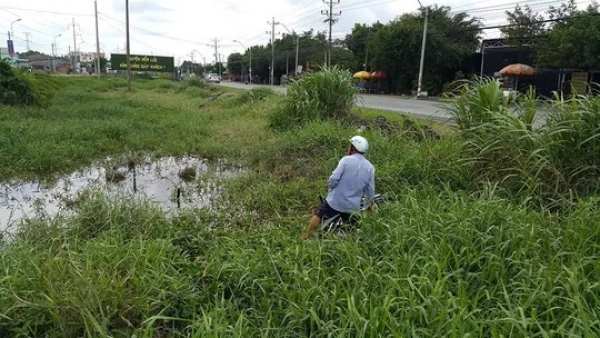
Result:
<point x="340" y="227"/>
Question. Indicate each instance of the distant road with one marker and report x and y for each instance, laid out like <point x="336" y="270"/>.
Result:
<point x="421" y="108"/>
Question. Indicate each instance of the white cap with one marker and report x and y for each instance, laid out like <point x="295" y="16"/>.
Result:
<point x="360" y="144"/>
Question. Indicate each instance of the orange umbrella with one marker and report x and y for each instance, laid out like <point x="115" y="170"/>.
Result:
<point x="517" y="69"/>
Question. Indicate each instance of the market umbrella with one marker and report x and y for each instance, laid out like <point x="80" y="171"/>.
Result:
<point x="361" y="75"/>
<point x="517" y="69"/>
<point x="379" y="75"/>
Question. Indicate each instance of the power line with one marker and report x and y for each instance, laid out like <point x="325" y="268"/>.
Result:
<point x="158" y="34"/>
<point x="138" y="41"/>
<point x="43" y="11"/>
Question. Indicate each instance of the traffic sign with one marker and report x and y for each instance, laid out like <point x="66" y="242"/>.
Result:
<point x="11" y="48"/>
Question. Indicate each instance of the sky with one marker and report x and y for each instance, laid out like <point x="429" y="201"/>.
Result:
<point x="182" y="28"/>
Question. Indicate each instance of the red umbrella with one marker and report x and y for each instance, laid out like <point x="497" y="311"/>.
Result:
<point x="378" y="75"/>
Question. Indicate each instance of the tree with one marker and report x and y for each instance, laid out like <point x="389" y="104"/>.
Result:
<point x="572" y="43"/>
<point x="235" y="63"/>
<point x="451" y="39"/>
<point x="564" y="11"/>
<point x="523" y="24"/>
<point x="358" y="42"/>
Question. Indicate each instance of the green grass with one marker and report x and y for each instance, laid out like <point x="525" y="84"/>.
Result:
<point x="551" y="165"/>
<point x="447" y="257"/>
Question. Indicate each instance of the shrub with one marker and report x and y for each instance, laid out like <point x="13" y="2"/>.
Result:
<point x="327" y="94"/>
<point x="15" y="88"/>
<point x="19" y="88"/>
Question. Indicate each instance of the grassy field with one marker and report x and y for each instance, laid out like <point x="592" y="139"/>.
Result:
<point x="455" y="253"/>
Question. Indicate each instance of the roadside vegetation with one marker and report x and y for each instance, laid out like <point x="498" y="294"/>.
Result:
<point x="471" y="244"/>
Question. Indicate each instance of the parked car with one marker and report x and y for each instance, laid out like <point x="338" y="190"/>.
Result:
<point x="213" y="77"/>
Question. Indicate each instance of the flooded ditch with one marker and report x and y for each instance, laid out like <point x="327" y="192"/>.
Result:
<point x="169" y="183"/>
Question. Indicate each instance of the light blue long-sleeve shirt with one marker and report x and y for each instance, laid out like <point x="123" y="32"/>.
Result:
<point x="353" y="177"/>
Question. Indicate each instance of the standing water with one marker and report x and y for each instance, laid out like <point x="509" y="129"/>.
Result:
<point x="170" y="183"/>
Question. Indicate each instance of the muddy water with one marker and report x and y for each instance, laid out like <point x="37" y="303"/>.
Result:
<point x="169" y="183"/>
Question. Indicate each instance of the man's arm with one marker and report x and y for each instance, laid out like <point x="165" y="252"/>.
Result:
<point x="336" y="174"/>
<point x="370" y="191"/>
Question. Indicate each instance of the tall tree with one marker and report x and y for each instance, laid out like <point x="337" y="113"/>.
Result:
<point x="523" y="24"/>
<point x="235" y="64"/>
<point x="573" y="43"/>
<point x="358" y="43"/>
<point x="451" y="39"/>
<point x="563" y="11"/>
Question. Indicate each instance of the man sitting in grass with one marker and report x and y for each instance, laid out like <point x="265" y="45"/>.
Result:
<point x="353" y="177"/>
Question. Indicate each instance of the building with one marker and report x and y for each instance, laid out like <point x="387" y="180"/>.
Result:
<point x="496" y="54"/>
<point x="89" y="57"/>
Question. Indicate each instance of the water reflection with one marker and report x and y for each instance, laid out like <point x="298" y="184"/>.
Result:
<point x="170" y="183"/>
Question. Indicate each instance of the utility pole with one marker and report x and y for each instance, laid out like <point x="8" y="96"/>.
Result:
<point x="97" y="40"/>
<point x="330" y="14"/>
<point x="220" y="59"/>
<point x="297" y="50"/>
<point x="74" y="47"/>
<point x="216" y="47"/>
<point x="54" y="52"/>
<point x="53" y="68"/>
<point x="272" y="74"/>
<point x="27" y="40"/>
<point x="128" y="46"/>
<point x="426" y="11"/>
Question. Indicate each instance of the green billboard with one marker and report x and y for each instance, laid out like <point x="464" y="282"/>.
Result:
<point x="143" y="63"/>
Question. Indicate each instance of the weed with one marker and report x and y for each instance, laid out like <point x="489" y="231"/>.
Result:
<point x="457" y="252"/>
<point x="327" y="94"/>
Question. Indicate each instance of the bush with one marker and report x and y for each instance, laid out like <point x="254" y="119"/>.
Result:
<point x="327" y="94"/>
<point x="19" y="88"/>
<point x="15" y="88"/>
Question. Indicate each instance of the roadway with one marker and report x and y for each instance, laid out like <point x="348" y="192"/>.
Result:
<point x="424" y="108"/>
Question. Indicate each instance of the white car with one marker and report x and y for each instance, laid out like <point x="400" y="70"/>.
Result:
<point x="213" y="77"/>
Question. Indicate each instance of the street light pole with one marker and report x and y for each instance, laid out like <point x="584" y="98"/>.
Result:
<point x="250" y="65"/>
<point x="11" y="28"/>
<point x="422" y="50"/>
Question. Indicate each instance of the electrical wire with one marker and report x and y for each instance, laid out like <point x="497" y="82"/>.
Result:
<point x="46" y="12"/>
<point x="138" y="41"/>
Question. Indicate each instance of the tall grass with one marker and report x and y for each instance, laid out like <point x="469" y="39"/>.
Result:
<point x="327" y="94"/>
<point x="547" y="155"/>
<point x="444" y="258"/>
<point x="434" y="264"/>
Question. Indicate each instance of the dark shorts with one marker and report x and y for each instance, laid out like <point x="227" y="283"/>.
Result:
<point x="325" y="211"/>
